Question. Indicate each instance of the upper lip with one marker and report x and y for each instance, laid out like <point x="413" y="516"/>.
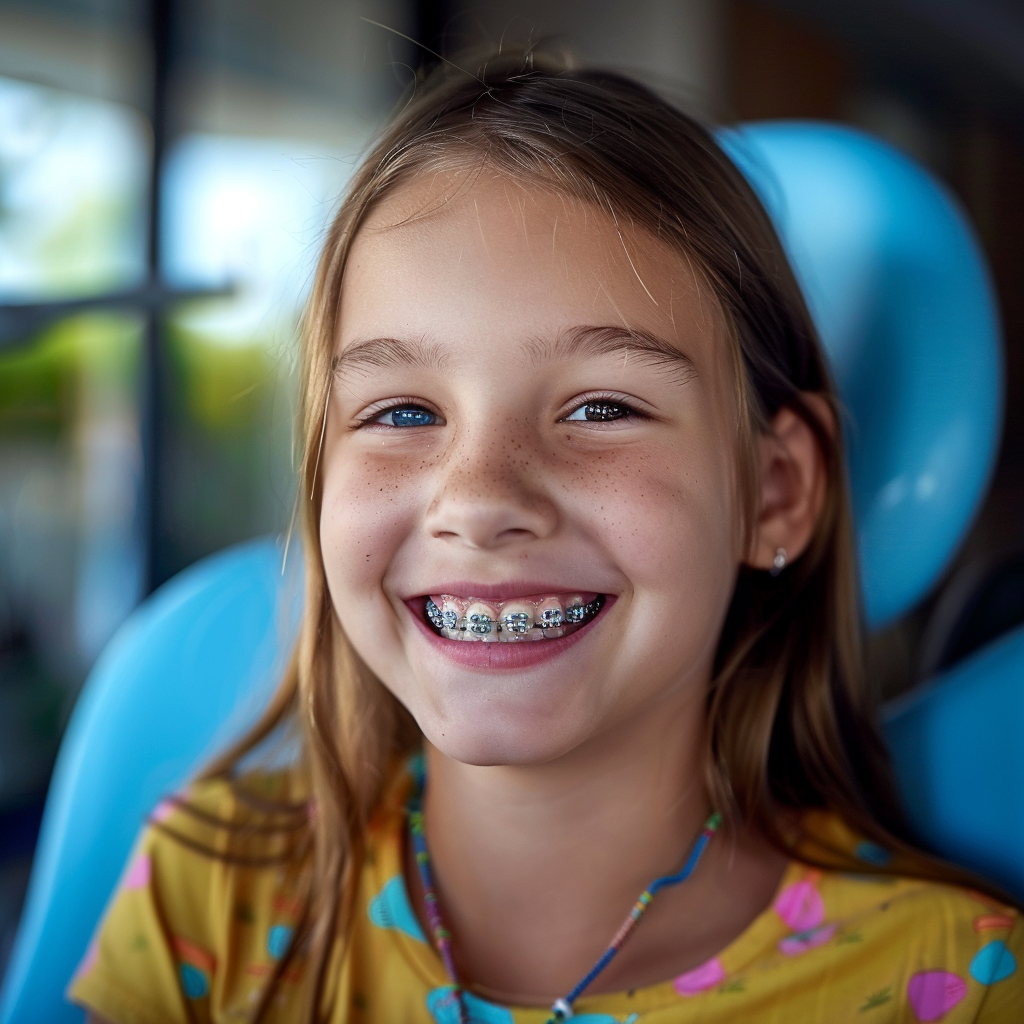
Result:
<point x="504" y="591"/>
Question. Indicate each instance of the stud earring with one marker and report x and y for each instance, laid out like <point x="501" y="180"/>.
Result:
<point x="778" y="562"/>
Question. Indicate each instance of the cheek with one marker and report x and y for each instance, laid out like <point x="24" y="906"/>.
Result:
<point x="367" y="512"/>
<point x="666" y="513"/>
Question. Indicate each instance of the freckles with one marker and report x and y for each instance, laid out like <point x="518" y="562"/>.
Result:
<point x="621" y="486"/>
<point x="653" y="510"/>
<point x="367" y="512"/>
<point x="492" y="468"/>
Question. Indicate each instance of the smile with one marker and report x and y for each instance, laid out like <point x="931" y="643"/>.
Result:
<point x="517" y="620"/>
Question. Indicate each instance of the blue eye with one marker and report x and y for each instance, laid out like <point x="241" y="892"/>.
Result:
<point x="407" y="416"/>
<point x="599" y="412"/>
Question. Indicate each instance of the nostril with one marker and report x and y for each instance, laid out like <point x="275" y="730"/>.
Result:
<point x="517" y="534"/>
<point x="476" y="535"/>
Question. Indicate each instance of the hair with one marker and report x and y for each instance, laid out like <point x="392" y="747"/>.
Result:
<point x="790" y="720"/>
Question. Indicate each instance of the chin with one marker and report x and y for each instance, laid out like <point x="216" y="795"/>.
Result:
<point x="502" y="740"/>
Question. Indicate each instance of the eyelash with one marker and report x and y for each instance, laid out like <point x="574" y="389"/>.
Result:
<point x="603" y="398"/>
<point x="629" y="411"/>
<point x="369" y="419"/>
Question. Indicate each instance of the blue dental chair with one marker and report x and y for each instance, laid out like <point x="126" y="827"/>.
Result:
<point x="899" y="291"/>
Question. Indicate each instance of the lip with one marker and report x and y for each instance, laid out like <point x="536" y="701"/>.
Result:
<point x="503" y="657"/>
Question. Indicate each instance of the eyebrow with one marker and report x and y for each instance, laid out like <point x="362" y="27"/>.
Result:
<point x="583" y="341"/>
<point x="615" y="340"/>
<point x="384" y="353"/>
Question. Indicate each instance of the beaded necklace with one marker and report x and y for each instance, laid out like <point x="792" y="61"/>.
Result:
<point x="561" y="1009"/>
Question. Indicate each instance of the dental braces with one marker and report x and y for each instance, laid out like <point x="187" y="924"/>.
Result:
<point x="513" y="622"/>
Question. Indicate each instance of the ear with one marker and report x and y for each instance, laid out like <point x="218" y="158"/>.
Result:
<point x="792" y="484"/>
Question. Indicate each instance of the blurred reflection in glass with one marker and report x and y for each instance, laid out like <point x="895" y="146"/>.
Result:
<point x="249" y="213"/>
<point x="72" y="177"/>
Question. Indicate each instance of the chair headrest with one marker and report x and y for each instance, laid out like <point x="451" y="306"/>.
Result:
<point x="901" y="296"/>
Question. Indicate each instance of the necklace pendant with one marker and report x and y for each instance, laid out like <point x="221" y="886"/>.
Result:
<point x="561" y="1009"/>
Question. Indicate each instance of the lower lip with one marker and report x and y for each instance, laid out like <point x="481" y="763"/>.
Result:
<point x="502" y="656"/>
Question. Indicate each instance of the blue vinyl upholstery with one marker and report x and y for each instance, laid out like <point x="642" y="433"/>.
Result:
<point x="956" y="745"/>
<point x="187" y="672"/>
<point x="901" y="296"/>
<point x="900" y="293"/>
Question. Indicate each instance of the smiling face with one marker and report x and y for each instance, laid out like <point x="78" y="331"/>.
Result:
<point x="533" y="409"/>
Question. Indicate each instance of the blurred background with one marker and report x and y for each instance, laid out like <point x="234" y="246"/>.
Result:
<point x="167" y="168"/>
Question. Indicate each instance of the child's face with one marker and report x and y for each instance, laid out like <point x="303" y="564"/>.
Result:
<point x="476" y="447"/>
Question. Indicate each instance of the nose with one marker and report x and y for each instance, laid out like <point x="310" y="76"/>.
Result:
<point x="491" y="493"/>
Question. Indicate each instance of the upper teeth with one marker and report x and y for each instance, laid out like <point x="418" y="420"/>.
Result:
<point x="517" y="622"/>
<point x="519" y="618"/>
<point x="552" y="617"/>
<point x="479" y="620"/>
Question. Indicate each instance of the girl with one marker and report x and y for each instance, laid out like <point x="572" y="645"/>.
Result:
<point x="581" y="626"/>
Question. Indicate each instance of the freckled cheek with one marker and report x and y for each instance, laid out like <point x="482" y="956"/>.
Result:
<point x="667" y="525"/>
<point x="370" y="508"/>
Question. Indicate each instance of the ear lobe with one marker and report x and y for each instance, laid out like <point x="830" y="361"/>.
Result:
<point x="792" y="485"/>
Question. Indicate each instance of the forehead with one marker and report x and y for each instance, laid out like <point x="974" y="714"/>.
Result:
<point x="461" y="253"/>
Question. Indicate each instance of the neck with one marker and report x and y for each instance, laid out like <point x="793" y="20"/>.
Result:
<point x="635" y="798"/>
<point x="536" y="867"/>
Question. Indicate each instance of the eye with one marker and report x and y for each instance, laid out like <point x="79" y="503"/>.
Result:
<point x="600" y="411"/>
<point x="406" y="416"/>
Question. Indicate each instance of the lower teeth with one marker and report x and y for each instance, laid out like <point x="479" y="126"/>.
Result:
<point x="514" y="626"/>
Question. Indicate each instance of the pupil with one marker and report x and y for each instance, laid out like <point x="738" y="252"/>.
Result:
<point x="411" y="418"/>
<point x="604" y="411"/>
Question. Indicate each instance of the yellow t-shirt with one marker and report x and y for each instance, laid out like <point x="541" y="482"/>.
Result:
<point x="191" y="939"/>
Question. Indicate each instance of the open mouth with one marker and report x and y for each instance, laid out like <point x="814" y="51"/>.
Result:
<point x="518" y="620"/>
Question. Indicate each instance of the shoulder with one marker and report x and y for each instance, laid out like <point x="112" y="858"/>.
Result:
<point x="220" y="836"/>
<point x="866" y="878"/>
<point x="925" y="910"/>
<point x="212" y="890"/>
<point x="929" y="943"/>
<point x="249" y="819"/>
<point x="224" y="844"/>
<point x="933" y="945"/>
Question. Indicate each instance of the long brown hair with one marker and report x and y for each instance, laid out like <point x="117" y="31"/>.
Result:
<point x="790" y="719"/>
